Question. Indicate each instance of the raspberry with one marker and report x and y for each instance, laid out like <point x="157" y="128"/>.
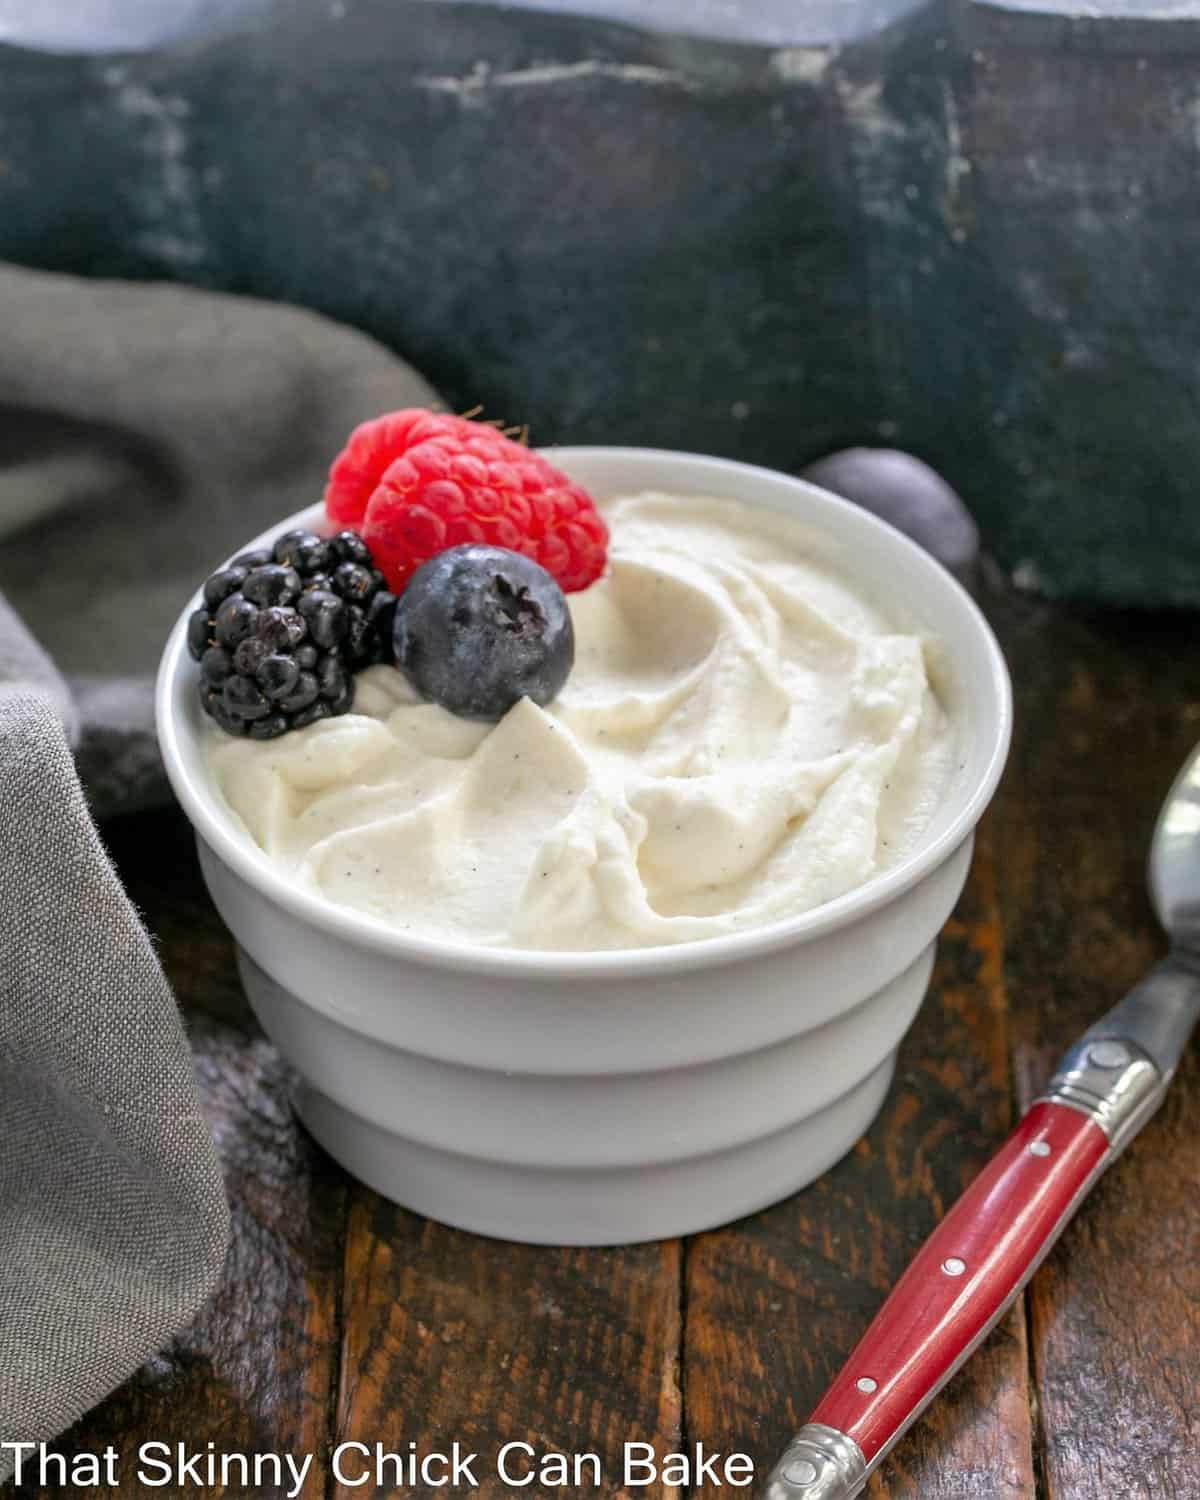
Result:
<point x="416" y="483"/>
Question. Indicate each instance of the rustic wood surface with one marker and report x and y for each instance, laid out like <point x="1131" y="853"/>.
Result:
<point x="344" y="1318"/>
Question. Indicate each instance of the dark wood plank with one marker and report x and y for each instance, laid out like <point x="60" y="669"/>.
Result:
<point x="775" y="1303"/>
<point x="450" y="1336"/>
<point x="1108" y="707"/>
<point x="257" y="1371"/>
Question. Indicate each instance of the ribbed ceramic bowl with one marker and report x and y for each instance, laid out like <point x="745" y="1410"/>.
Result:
<point x="600" y="1098"/>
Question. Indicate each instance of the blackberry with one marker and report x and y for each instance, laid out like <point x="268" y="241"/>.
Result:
<point x="283" y="629"/>
<point x="324" y="616"/>
<point x="304" y="551"/>
<point x="348" y="546"/>
<point x="353" y="582"/>
<point x="234" y="622"/>
<point x="271" y="584"/>
<point x="342" y="567"/>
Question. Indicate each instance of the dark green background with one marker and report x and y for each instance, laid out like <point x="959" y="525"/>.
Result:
<point x="973" y="234"/>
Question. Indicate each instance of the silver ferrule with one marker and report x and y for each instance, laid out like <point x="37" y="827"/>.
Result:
<point x="820" y="1463"/>
<point x="1112" y="1081"/>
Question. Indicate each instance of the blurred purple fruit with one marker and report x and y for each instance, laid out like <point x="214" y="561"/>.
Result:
<point x="901" y="489"/>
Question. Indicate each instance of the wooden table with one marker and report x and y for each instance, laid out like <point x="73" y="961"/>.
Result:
<point x="343" y="1317"/>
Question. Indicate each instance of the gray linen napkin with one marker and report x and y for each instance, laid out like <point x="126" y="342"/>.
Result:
<point x="113" y="1220"/>
<point x="145" y="432"/>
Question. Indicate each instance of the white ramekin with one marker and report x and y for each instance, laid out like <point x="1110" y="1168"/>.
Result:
<point x="601" y="1098"/>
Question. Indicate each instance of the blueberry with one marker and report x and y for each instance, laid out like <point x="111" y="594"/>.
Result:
<point x="478" y="628"/>
<point x="198" y="628"/>
<point x="900" y="488"/>
<point x="272" y="584"/>
<point x="325" y="616"/>
<point x="277" y="676"/>
<point x="348" y="546"/>
<point x="235" y="621"/>
<point x="344" y="700"/>
<point x="318" y="581"/>
<point x="307" y="656"/>
<point x="255" y="559"/>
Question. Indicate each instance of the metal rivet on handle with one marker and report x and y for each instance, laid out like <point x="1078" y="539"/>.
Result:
<point x="953" y="1266"/>
<point x="866" y="1385"/>
<point x="1039" y="1148"/>
<point x="1108" y="1054"/>
<point x="800" y="1472"/>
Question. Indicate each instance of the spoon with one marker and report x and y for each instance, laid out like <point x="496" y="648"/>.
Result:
<point x="971" y="1269"/>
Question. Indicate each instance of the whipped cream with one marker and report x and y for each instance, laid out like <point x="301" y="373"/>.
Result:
<point x="743" y="737"/>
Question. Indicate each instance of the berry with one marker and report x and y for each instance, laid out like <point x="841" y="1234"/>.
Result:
<point x="216" y="664"/>
<point x="325" y="615"/>
<point x="214" y="705"/>
<point x="271" y="584"/>
<point x="306" y="691"/>
<point x="347" y="572"/>
<point x="224" y="581"/>
<point x="902" y="489"/>
<point x="234" y="622"/>
<point x="278" y="676"/>
<point x="269" y="728"/>
<point x="330" y="675"/>
<point x="319" y="710"/>
<point x="382" y="614"/>
<point x="251" y="654"/>
<point x="199" y="633"/>
<point x="354" y="582"/>
<point x="283" y="630"/>
<point x="280" y="628"/>
<point x="302" y="550"/>
<point x="348" y="546"/>
<point x="244" y="699"/>
<point x="417" y="483"/>
<point x="479" y="628"/>
<point x="360" y="635"/>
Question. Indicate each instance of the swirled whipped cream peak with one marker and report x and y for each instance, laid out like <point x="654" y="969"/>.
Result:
<point x="743" y="737"/>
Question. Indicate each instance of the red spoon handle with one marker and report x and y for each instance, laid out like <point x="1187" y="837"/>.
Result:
<point x="991" y="1242"/>
<point x="965" y="1275"/>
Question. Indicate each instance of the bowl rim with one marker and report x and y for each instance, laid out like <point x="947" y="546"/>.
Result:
<point x="251" y="864"/>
